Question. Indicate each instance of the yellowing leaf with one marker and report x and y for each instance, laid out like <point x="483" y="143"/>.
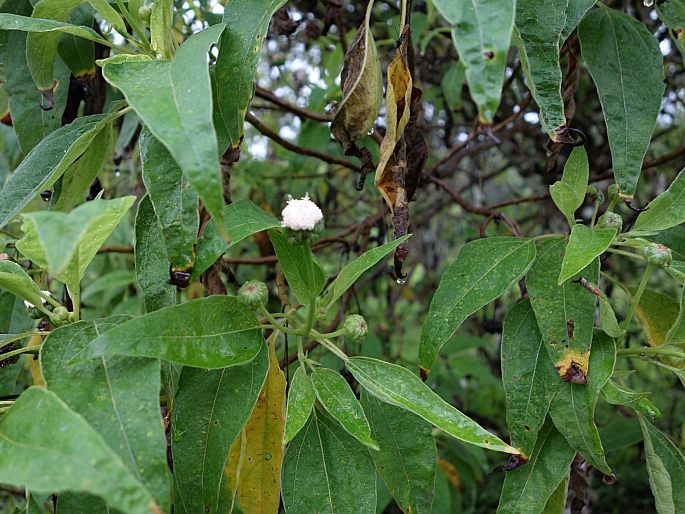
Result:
<point x="254" y="462"/>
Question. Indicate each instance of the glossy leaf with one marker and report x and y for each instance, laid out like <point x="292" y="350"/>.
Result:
<point x="14" y="279"/>
<point x="400" y="387"/>
<point x="528" y="376"/>
<point x="352" y="271"/>
<point x="301" y="398"/>
<point x="573" y="408"/>
<point x="242" y="219"/>
<point x="152" y="269"/>
<point x="64" y="244"/>
<point x="259" y="477"/>
<point x="210" y="410"/>
<point x="482" y="271"/>
<point x="240" y="48"/>
<point x="565" y="313"/>
<point x="666" y="467"/>
<point x="212" y="332"/>
<point x="583" y="247"/>
<point x="407" y="456"/>
<point x="174" y="100"/>
<point x="325" y="470"/>
<point x="121" y="401"/>
<point x="362" y="88"/>
<point x="541" y="28"/>
<point x="47" y="162"/>
<point x="305" y="276"/>
<point x="569" y="192"/>
<point x="528" y="488"/>
<point x="666" y="210"/>
<point x="174" y="202"/>
<point x="481" y="31"/>
<point x="74" y="458"/>
<point x="339" y="400"/>
<point x="617" y="395"/>
<point x="614" y="45"/>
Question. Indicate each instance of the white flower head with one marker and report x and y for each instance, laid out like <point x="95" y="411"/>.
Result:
<point x="302" y="214"/>
<point x="29" y="305"/>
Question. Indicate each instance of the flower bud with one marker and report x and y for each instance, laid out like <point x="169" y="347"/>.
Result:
<point x="614" y="194"/>
<point x="253" y="293"/>
<point x="657" y="255"/>
<point x="610" y="220"/>
<point x="60" y="316"/>
<point x="594" y="194"/>
<point x="355" y="327"/>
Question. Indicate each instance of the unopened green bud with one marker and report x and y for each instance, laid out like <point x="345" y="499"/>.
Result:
<point x="355" y="327"/>
<point x="657" y="255"/>
<point x="60" y="316"/>
<point x="614" y="194"/>
<point x="253" y="293"/>
<point x="610" y="219"/>
<point x="594" y="194"/>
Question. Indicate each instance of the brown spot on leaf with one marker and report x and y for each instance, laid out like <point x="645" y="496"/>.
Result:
<point x="489" y="55"/>
<point x="424" y="373"/>
<point x="570" y="329"/>
<point x="574" y="374"/>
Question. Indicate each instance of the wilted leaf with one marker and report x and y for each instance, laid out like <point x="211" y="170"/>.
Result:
<point x="481" y="31"/>
<point x="400" y="387"/>
<point x="614" y="47"/>
<point x="528" y="377"/>
<point x="565" y="313"/>
<point x="482" y="271"/>
<point x="327" y="470"/>
<point x="407" y="456"/>
<point x="210" y="410"/>
<point x="573" y="408"/>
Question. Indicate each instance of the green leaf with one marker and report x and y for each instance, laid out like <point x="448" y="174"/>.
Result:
<point x="573" y="408"/>
<point x="657" y="313"/>
<point x="481" y="31"/>
<point x="482" y="271"/>
<point x="241" y="45"/>
<point x="542" y="26"/>
<point x="174" y="202"/>
<point x="78" y="53"/>
<point x="37" y="24"/>
<point x="615" y="45"/>
<point x="666" y="467"/>
<point x="407" y="456"/>
<point x="666" y="210"/>
<point x="121" y="400"/>
<point x="528" y="376"/>
<point x="326" y="470"/>
<point x="73" y="458"/>
<point x="77" y="179"/>
<point x="301" y="397"/>
<point x="617" y="395"/>
<point x="528" y="488"/>
<point x="672" y="13"/>
<point x="47" y="162"/>
<point x="607" y="319"/>
<point x="210" y="410"/>
<point x="451" y="84"/>
<point x="212" y="332"/>
<point x="584" y="246"/>
<point x="398" y="386"/>
<point x="569" y="192"/>
<point x="152" y="269"/>
<point x="557" y="502"/>
<point x="13" y="320"/>
<point x="64" y="244"/>
<point x="16" y="281"/>
<point x="174" y="100"/>
<point x="352" y="271"/>
<point x="565" y="313"/>
<point x="337" y="398"/>
<point x="305" y="276"/>
<point x="242" y="219"/>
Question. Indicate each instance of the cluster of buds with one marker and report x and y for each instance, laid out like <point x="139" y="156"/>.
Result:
<point x="303" y="220"/>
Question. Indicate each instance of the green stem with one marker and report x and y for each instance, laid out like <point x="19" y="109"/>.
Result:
<point x="594" y="213"/>
<point x="17" y="337"/>
<point x="134" y="25"/>
<point x="300" y="352"/>
<point x="331" y="335"/>
<point x="50" y="300"/>
<point x="329" y="345"/>
<point x="76" y="298"/>
<point x="275" y="324"/>
<point x="648" y="350"/>
<point x="638" y="294"/>
<point x="28" y="349"/>
<point x="403" y="15"/>
<point x="625" y="254"/>
<point x="309" y="322"/>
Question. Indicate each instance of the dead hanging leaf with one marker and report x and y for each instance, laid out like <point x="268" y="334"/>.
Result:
<point x="397" y="106"/>
<point x="362" y="88"/>
<point x="254" y="461"/>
